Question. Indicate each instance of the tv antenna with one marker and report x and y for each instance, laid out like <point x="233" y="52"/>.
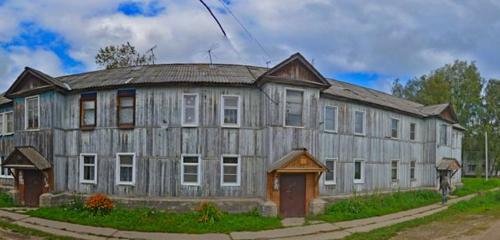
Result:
<point x="210" y="50"/>
<point x="152" y="53"/>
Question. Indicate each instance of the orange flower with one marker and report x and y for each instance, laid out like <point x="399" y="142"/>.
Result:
<point x="99" y="203"/>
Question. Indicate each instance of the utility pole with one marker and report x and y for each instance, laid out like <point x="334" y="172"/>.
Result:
<point x="486" y="152"/>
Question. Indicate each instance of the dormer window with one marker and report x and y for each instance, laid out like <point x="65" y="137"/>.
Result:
<point x="88" y="116"/>
<point x="126" y="108"/>
<point x="293" y="109"/>
<point x="32" y="113"/>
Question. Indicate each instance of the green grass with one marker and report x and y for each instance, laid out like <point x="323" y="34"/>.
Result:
<point x="377" y="205"/>
<point x="28" y="232"/>
<point x="488" y="204"/>
<point x="147" y="220"/>
<point x="6" y="200"/>
<point x="473" y="185"/>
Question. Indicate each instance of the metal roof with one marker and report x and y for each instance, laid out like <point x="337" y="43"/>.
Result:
<point x="222" y="74"/>
<point x="291" y="156"/>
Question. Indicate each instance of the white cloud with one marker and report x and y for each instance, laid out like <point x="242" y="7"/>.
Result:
<point x="389" y="38"/>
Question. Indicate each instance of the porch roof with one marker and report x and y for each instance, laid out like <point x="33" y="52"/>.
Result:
<point x="450" y="164"/>
<point x="291" y="162"/>
<point x="26" y="158"/>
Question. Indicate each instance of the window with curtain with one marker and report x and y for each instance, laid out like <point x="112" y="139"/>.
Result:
<point x="230" y="111"/>
<point x="294" y="108"/>
<point x="190" y="109"/>
<point x="32" y="105"/>
<point x="126" y="108"/>
<point x="88" y="105"/>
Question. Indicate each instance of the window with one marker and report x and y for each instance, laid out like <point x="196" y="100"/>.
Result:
<point x="2" y="124"/>
<point x="190" y="110"/>
<point x="472" y="167"/>
<point x="359" y="123"/>
<point x="413" y="129"/>
<point x="125" y="168"/>
<point x="32" y="113"/>
<point x="88" y="168"/>
<point x="293" y="108"/>
<point x="330" y="175"/>
<point x="230" y="111"/>
<point x="126" y="108"/>
<point x="330" y="118"/>
<point x="443" y="135"/>
<point x="230" y="170"/>
<point x="4" y="172"/>
<point x="88" y="115"/>
<point x="394" y="128"/>
<point x="359" y="171"/>
<point x="394" y="170"/>
<point x="190" y="170"/>
<point x="413" y="165"/>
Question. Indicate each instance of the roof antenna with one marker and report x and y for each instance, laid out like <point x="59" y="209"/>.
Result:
<point x="152" y="54"/>
<point x="312" y="61"/>
<point x="267" y="63"/>
<point x="210" y="55"/>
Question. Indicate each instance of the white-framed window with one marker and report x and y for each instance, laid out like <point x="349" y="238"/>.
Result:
<point x="230" y="110"/>
<point x="190" y="110"/>
<point x="413" y="166"/>
<point x="330" y="119"/>
<point x="443" y="134"/>
<point x="125" y="168"/>
<point x="395" y="170"/>
<point x="394" y="128"/>
<point x="32" y="112"/>
<point x="294" y="101"/>
<point x="359" y="171"/>
<point x="230" y="170"/>
<point x="359" y="122"/>
<point x="191" y="169"/>
<point x="4" y="172"/>
<point x="413" y="131"/>
<point x="6" y="123"/>
<point x="88" y="168"/>
<point x="330" y="176"/>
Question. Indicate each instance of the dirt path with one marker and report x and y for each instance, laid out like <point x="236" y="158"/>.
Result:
<point x="9" y="235"/>
<point x="467" y="227"/>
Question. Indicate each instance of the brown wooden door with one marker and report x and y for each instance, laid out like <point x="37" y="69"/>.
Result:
<point x="33" y="187"/>
<point x="292" y="195"/>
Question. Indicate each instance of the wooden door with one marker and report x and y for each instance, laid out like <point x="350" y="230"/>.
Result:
<point x="292" y="195"/>
<point x="33" y="187"/>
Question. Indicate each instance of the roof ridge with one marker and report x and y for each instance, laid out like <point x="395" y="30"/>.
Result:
<point x="159" y="65"/>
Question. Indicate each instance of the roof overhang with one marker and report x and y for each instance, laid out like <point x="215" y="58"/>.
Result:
<point x="52" y="84"/>
<point x="298" y="161"/>
<point x="26" y="158"/>
<point x="448" y="164"/>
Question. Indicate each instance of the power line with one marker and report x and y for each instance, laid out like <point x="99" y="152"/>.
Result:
<point x="215" y="18"/>
<point x="245" y="29"/>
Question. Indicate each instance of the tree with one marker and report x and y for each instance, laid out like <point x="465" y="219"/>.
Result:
<point x="124" y="55"/>
<point x="491" y="121"/>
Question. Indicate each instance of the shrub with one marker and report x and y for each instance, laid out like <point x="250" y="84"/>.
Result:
<point x="209" y="213"/>
<point x="99" y="204"/>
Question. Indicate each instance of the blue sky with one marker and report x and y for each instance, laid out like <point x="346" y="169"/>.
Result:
<point x="369" y="43"/>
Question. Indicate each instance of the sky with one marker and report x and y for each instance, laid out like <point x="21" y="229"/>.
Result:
<point x="365" y="42"/>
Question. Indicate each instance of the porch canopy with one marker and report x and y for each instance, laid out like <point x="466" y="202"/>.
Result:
<point x="298" y="161"/>
<point x="26" y="158"/>
<point x="449" y="164"/>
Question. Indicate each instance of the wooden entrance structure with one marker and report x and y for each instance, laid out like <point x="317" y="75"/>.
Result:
<point x="292" y="182"/>
<point x="32" y="173"/>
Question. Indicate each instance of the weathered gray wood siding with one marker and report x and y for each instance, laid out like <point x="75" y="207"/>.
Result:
<point x="376" y="148"/>
<point x="6" y="146"/>
<point x="159" y="140"/>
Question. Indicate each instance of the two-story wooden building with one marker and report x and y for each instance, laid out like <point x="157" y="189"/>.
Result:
<point x="172" y="135"/>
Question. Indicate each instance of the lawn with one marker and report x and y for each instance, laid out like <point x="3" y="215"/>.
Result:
<point x="28" y="233"/>
<point x="6" y="200"/>
<point x="487" y="204"/>
<point x="378" y="204"/>
<point x="147" y="220"/>
<point x="473" y="185"/>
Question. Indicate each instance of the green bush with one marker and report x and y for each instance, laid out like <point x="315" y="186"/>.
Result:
<point x="209" y="213"/>
<point x="6" y="201"/>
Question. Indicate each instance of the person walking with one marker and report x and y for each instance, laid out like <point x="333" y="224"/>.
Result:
<point x="445" y="187"/>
